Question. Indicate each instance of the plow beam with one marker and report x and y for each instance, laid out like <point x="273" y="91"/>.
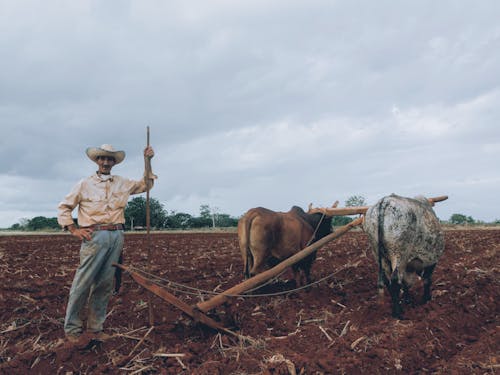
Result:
<point x="276" y="270"/>
<point x="170" y="298"/>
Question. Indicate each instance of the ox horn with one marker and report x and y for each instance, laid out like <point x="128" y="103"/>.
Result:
<point x="441" y="198"/>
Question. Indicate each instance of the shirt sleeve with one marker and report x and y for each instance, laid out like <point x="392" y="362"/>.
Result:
<point x="66" y="207"/>
<point x="139" y="186"/>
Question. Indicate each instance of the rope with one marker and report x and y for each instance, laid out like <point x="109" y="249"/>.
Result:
<point x="181" y="288"/>
<point x="172" y="285"/>
<point x="316" y="230"/>
<point x="197" y="291"/>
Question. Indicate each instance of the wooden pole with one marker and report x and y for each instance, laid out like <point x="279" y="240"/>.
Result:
<point x="359" y="210"/>
<point x="196" y="314"/>
<point x="269" y="274"/>
<point x="147" y="168"/>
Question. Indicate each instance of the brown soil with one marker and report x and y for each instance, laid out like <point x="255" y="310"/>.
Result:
<point x="337" y="326"/>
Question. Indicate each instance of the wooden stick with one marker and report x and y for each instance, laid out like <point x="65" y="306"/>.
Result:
<point x="148" y="225"/>
<point x="326" y="333"/>
<point x="269" y="274"/>
<point x="140" y="342"/>
<point x="195" y="313"/>
<point x="358" y="210"/>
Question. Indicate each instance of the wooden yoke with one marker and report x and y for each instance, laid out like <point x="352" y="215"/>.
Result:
<point x="275" y="271"/>
<point x="355" y="210"/>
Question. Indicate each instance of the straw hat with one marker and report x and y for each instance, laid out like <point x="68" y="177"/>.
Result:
<point x="105" y="150"/>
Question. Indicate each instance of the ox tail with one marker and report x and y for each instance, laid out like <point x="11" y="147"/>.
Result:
<point x="392" y="278"/>
<point x="244" y="239"/>
<point x="381" y="251"/>
<point x="394" y="274"/>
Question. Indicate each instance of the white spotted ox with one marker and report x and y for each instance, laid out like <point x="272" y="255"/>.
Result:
<point x="407" y="240"/>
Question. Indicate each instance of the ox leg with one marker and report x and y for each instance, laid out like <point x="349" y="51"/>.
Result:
<point x="381" y="283"/>
<point x="297" y="275"/>
<point x="406" y="294"/>
<point x="304" y="269"/>
<point x="395" y="291"/>
<point x="302" y="277"/>
<point x="427" y="278"/>
<point x="248" y="264"/>
<point x="307" y="274"/>
<point x="258" y="264"/>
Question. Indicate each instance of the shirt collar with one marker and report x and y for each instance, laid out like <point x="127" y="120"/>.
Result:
<point x="103" y="177"/>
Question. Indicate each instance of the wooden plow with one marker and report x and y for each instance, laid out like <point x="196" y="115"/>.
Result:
<point x="198" y="312"/>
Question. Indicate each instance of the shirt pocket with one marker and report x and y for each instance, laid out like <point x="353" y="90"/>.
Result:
<point x="93" y="204"/>
<point x="119" y="199"/>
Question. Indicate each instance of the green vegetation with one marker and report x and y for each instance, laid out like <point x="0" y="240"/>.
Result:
<point x="37" y="223"/>
<point x="135" y="217"/>
<point x="352" y="201"/>
<point x="461" y="219"/>
<point x="355" y="200"/>
<point x="135" y="213"/>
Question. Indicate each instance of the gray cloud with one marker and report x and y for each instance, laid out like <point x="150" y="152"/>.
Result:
<point x="252" y="103"/>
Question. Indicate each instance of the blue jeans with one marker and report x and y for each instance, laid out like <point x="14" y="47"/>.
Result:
<point x="93" y="282"/>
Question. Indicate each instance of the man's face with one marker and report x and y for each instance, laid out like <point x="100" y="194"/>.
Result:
<point x="105" y="164"/>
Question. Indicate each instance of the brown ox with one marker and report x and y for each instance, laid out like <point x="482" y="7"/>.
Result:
<point x="267" y="237"/>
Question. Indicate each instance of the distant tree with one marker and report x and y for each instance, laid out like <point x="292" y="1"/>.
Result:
<point x="226" y="221"/>
<point x="205" y="211"/>
<point x="179" y="220"/>
<point x="135" y="213"/>
<point x="209" y="217"/>
<point x="355" y="200"/>
<point x="461" y="219"/>
<point x="352" y="201"/>
<point x="338" y="221"/>
<point x="42" y="222"/>
<point x="200" y="222"/>
<point x="24" y="223"/>
<point x="205" y="219"/>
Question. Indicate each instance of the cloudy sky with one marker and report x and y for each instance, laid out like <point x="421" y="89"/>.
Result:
<point x="253" y="103"/>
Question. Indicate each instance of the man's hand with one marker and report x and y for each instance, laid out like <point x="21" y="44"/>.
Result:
<point x="149" y="176"/>
<point x="81" y="233"/>
<point x="149" y="152"/>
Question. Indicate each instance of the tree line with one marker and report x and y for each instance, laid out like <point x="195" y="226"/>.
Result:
<point x="135" y="218"/>
<point x="209" y="217"/>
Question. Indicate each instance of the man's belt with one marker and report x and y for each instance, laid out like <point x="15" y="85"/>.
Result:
<point x="106" y="227"/>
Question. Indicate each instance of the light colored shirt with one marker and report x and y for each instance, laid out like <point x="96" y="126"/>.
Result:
<point x="100" y="199"/>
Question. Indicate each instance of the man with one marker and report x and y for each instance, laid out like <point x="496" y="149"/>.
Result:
<point x="101" y="200"/>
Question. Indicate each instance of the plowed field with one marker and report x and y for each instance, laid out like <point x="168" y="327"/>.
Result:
<point x="336" y="326"/>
